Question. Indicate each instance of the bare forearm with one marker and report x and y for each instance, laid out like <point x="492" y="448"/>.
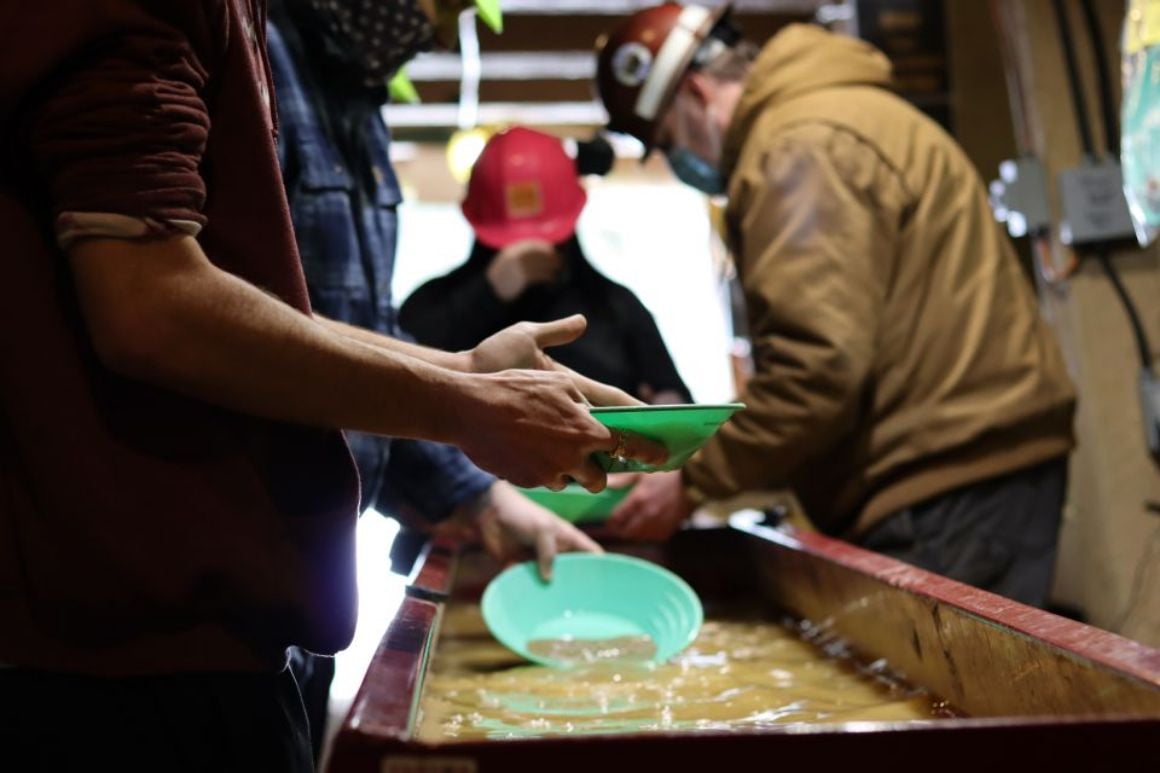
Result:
<point x="159" y="311"/>
<point x="450" y="360"/>
<point x="207" y="334"/>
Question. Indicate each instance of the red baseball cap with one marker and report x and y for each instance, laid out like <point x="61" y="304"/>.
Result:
<point x="523" y="186"/>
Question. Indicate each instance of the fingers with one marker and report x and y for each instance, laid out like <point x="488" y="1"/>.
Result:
<point x="522" y="250"/>
<point x="626" y="512"/>
<point x="494" y="541"/>
<point x="545" y="552"/>
<point x="623" y="480"/>
<point x="534" y="247"/>
<point x="643" y="523"/>
<point x="643" y="529"/>
<point x="600" y="394"/>
<point x="558" y="332"/>
<point x="570" y="539"/>
<point x="667" y="397"/>
<point x="631" y="446"/>
<point x="542" y="275"/>
<point x="543" y="269"/>
<point x="591" y="477"/>
<point x="594" y="392"/>
<point x="544" y="260"/>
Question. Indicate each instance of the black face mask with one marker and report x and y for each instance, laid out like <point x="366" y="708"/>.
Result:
<point x="383" y="36"/>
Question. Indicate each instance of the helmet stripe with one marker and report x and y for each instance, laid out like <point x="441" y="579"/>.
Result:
<point x="686" y="34"/>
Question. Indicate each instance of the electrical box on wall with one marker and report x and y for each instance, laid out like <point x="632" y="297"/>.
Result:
<point x="1095" y="211"/>
<point x="1019" y="197"/>
<point x="1150" y="408"/>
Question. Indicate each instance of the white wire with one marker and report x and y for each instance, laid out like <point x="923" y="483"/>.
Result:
<point x="472" y="71"/>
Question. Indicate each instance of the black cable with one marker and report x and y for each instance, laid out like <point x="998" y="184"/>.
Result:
<point x="1142" y="346"/>
<point x="1103" y="80"/>
<point x="1077" y="98"/>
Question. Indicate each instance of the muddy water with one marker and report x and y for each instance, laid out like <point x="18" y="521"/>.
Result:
<point x="742" y="672"/>
<point x="588" y="651"/>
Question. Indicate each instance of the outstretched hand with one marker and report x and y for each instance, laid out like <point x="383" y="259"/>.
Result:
<point x="510" y="523"/>
<point x="522" y="346"/>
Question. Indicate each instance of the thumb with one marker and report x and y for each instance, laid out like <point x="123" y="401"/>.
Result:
<point x="621" y="480"/>
<point x="560" y="331"/>
<point x="545" y="553"/>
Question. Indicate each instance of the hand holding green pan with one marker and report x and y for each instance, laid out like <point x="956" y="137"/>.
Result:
<point x="681" y="429"/>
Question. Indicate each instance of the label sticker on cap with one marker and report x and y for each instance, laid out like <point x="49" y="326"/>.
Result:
<point x="525" y="199"/>
<point x="631" y="63"/>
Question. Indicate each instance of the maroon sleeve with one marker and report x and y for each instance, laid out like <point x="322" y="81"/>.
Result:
<point x="121" y="125"/>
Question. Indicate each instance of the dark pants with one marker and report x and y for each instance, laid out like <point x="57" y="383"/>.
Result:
<point x="998" y="534"/>
<point x="188" y="722"/>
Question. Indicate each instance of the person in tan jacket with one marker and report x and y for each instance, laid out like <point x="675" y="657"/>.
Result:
<point x="905" y="387"/>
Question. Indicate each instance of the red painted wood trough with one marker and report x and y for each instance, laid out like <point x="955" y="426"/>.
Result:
<point x="1041" y="692"/>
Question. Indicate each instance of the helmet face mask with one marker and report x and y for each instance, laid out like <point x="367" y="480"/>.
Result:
<point x="691" y="138"/>
<point x="685" y="120"/>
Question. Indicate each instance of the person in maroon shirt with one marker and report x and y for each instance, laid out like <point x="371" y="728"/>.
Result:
<point x="177" y="505"/>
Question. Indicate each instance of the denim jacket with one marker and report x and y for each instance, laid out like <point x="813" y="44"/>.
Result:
<point x="346" y="228"/>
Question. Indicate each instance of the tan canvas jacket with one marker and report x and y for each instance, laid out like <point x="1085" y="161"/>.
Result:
<point x="899" y="348"/>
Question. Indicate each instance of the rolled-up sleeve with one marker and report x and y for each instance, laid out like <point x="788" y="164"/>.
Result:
<point x="430" y="479"/>
<point x="117" y="133"/>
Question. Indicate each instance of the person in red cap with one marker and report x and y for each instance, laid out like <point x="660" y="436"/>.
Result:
<point x="906" y="387"/>
<point x="523" y="200"/>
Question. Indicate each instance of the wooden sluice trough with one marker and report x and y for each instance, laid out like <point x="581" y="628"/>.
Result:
<point x="1039" y="692"/>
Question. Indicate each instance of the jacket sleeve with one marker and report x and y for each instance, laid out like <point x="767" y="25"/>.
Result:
<point x="116" y="132"/>
<point x="808" y="236"/>
<point x="429" y="480"/>
<point x="454" y="312"/>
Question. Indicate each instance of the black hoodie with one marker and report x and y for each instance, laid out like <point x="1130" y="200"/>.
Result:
<point x="622" y="346"/>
